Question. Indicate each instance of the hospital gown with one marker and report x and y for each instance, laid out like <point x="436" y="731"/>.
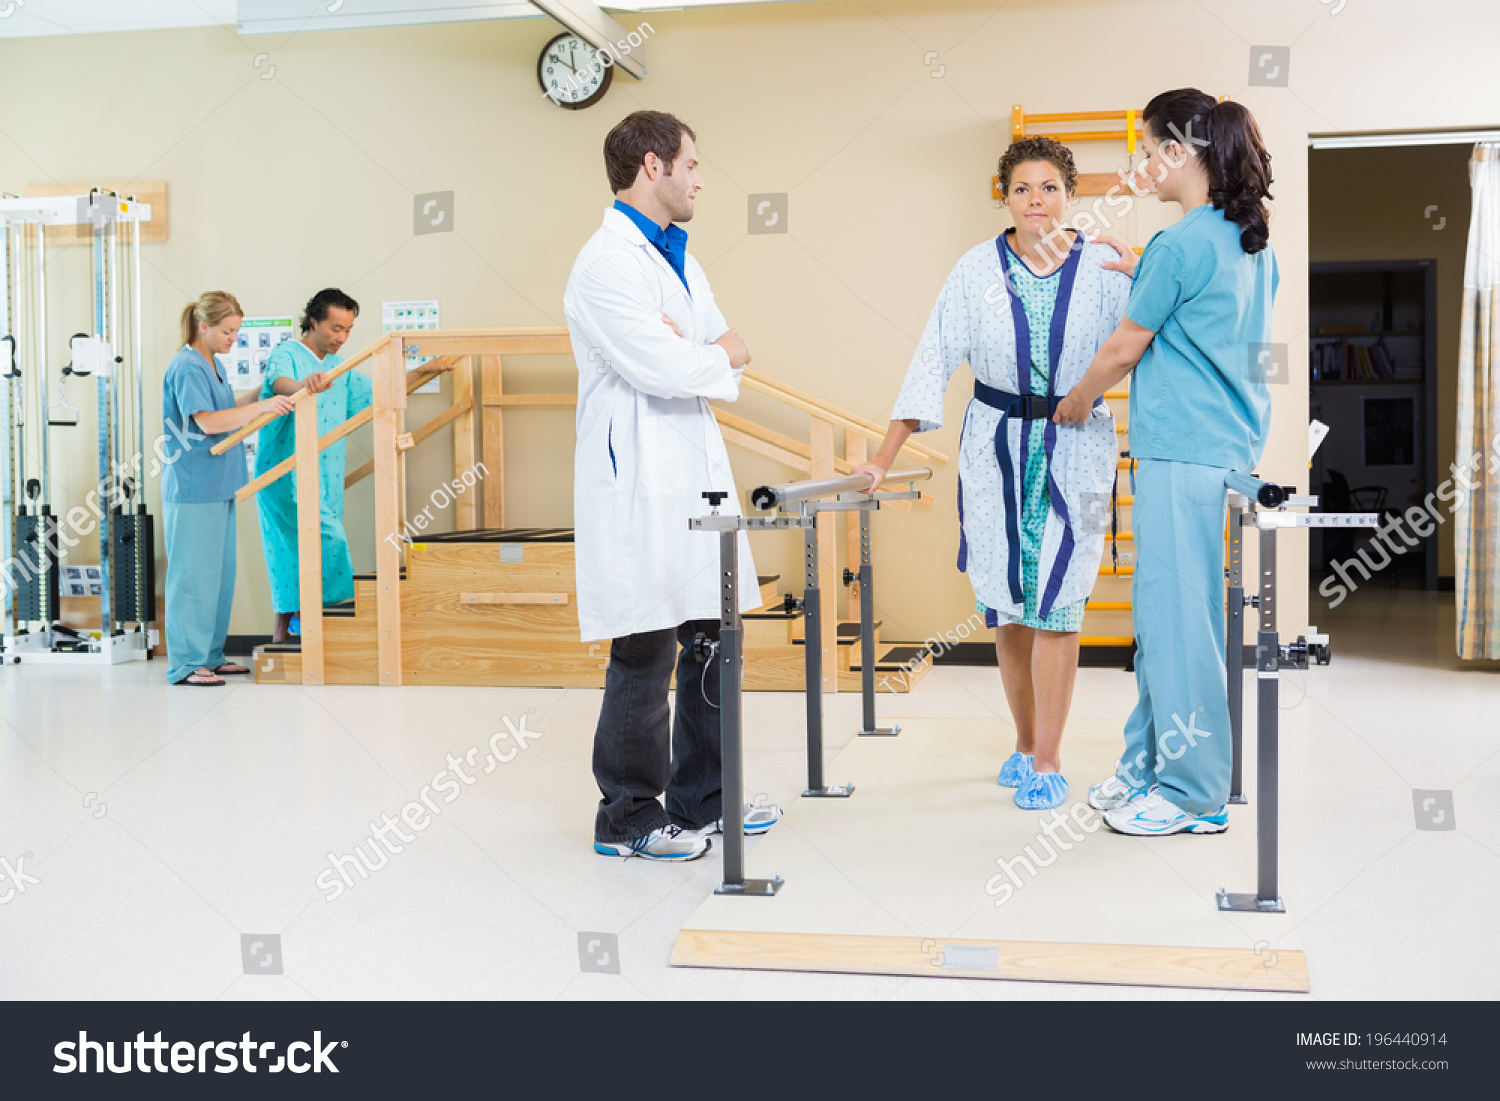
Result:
<point x="277" y="502"/>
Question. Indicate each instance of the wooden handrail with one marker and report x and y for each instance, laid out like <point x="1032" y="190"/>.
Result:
<point x="266" y="418"/>
<point x="817" y="407"/>
<point x="327" y="440"/>
<point x="447" y="416"/>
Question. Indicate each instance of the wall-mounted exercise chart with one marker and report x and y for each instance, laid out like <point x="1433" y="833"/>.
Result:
<point x="412" y="315"/>
<point x="258" y="337"/>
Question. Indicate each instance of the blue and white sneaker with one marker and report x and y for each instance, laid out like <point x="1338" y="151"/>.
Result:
<point x="759" y="817"/>
<point x="667" y="844"/>
<point x="1042" y="791"/>
<point x="1154" y="815"/>
<point x="1015" y="770"/>
<point x="1113" y="793"/>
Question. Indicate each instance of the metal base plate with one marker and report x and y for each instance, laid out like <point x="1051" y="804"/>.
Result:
<point x="882" y="731"/>
<point x="33" y="649"/>
<point x="760" y="888"/>
<point x="1249" y="903"/>
<point x="832" y="791"/>
<point x="1238" y="799"/>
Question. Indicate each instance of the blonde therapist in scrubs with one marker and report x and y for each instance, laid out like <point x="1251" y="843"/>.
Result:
<point x="199" y="409"/>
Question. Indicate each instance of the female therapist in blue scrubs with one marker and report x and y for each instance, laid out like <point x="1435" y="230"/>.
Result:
<point x="1199" y="309"/>
<point x="198" y="410"/>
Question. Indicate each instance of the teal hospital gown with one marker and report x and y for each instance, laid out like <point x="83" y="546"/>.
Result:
<point x="277" y="502"/>
<point x="1038" y="298"/>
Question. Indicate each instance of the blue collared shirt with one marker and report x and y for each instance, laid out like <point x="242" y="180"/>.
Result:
<point x="670" y="242"/>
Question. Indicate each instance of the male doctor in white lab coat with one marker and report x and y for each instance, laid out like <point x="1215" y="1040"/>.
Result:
<point x="652" y="348"/>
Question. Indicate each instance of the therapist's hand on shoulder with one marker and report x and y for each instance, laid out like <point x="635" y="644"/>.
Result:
<point x="1072" y="409"/>
<point x="734" y="344"/>
<point x="1127" y="260"/>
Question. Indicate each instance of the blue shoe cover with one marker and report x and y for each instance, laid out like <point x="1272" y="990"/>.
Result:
<point x="1042" y="791"/>
<point x="1014" y="771"/>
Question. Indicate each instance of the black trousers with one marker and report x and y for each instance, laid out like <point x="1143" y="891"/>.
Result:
<point x="640" y="752"/>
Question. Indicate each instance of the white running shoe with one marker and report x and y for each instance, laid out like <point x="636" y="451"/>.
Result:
<point x="1154" y="815"/>
<point x="1112" y="793"/>
<point x="669" y="843"/>
<point x="759" y="817"/>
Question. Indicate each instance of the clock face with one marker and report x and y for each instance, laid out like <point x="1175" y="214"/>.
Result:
<point x="572" y="73"/>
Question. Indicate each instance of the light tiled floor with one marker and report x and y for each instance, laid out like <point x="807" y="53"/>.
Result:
<point x="164" y="823"/>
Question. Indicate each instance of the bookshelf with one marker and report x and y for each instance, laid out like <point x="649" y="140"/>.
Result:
<point x="1372" y="379"/>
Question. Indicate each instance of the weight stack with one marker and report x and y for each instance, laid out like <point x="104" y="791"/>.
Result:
<point x="133" y="567"/>
<point x="36" y="571"/>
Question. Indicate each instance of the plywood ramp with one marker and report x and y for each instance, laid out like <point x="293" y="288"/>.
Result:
<point x="905" y="878"/>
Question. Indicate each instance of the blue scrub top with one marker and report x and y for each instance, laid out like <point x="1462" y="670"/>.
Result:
<point x="1199" y="394"/>
<point x="190" y="475"/>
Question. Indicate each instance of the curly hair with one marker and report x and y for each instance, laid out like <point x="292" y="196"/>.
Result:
<point x="1038" y="147"/>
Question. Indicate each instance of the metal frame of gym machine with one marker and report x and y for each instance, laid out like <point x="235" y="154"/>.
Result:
<point x="1264" y="506"/>
<point x="807" y="497"/>
<point x="30" y="631"/>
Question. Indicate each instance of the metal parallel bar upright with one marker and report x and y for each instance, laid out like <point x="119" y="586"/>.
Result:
<point x="812" y="634"/>
<point x="730" y="652"/>
<point x="1268" y="701"/>
<point x="731" y="728"/>
<point x="812" y="621"/>
<point x="1234" y="650"/>
<point x="868" y="726"/>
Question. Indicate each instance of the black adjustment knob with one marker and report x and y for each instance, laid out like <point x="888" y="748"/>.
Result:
<point x="849" y="576"/>
<point x="715" y="497"/>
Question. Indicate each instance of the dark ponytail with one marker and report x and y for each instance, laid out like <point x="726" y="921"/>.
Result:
<point x="1227" y="138"/>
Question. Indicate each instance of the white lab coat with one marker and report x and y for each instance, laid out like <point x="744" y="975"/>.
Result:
<point x="648" y="445"/>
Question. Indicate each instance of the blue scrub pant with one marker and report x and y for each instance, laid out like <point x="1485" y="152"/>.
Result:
<point x="200" y="584"/>
<point x="1178" y="735"/>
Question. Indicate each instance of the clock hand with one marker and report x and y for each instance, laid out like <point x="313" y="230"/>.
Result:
<point x="563" y="63"/>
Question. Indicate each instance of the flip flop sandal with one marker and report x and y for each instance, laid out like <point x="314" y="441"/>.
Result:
<point x="230" y="669"/>
<point x="199" y="680"/>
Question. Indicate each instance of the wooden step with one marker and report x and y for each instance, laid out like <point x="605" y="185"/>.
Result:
<point x="897" y="670"/>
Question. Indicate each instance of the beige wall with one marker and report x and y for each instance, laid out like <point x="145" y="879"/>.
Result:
<point x="1371" y="204"/>
<point x="282" y="185"/>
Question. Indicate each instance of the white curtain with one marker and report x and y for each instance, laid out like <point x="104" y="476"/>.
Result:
<point x="1477" y="531"/>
